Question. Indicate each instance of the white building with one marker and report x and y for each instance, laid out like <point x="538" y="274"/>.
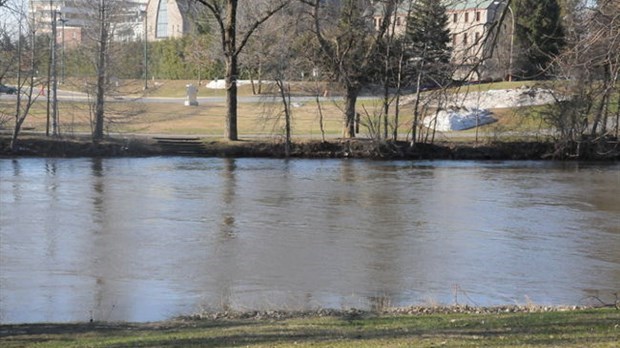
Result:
<point x="469" y="22"/>
<point x="162" y="18"/>
<point x="167" y="19"/>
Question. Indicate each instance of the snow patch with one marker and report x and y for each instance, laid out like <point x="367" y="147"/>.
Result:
<point x="221" y="83"/>
<point x="468" y="110"/>
<point x="459" y="119"/>
<point x="498" y="98"/>
<point x="506" y="98"/>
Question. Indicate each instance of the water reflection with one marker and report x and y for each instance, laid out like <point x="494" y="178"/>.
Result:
<point x="146" y="239"/>
<point x="228" y="199"/>
<point x="227" y="246"/>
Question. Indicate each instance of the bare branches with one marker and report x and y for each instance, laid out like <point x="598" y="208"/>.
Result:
<point x="214" y="7"/>
<point x="225" y="14"/>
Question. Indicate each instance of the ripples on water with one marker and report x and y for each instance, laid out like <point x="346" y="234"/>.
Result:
<point x="146" y="239"/>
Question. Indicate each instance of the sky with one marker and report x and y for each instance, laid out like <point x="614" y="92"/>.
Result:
<point x="9" y="15"/>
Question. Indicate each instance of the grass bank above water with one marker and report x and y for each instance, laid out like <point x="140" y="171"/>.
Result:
<point x="574" y="328"/>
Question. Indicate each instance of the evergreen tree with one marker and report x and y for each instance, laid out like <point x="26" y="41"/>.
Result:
<point x="539" y="33"/>
<point x="427" y="38"/>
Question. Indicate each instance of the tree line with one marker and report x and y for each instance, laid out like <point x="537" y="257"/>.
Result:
<point x="355" y="43"/>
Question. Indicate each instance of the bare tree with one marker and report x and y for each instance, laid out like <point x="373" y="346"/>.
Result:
<point x="256" y="55"/>
<point x="349" y="42"/>
<point x="225" y="13"/>
<point x="198" y="55"/>
<point x="103" y="20"/>
<point x="393" y="76"/>
<point x="588" y="73"/>
<point x="21" y="59"/>
<point x="281" y="64"/>
<point x="101" y="66"/>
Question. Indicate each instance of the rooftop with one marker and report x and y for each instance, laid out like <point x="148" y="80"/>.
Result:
<point x="469" y="4"/>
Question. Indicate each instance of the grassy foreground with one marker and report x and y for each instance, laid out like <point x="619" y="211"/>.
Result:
<point x="579" y="328"/>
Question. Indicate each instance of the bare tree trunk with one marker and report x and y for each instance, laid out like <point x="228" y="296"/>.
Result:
<point x="618" y="114"/>
<point x="386" y="90"/>
<point x="101" y="73"/>
<point x="260" y="77"/>
<point x="230" y="45"/>
<point x="228" y="29"/>
<point x="386" y="107"/>
<point x="286" y="101"/>
<point x="321" y="125"/>
<point x="598" y="117"/>
<point x="434" y="128"/>
<point x="398" y="91"/>
<point x="18" y="119"/>
<point x="349" y="112"/>
<point x="416" y="109"/>
<point x="252" y="83"/>
<point x="22" y="113"/>
<point x="231" y="98"/>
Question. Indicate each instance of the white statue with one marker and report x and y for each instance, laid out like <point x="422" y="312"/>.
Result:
<point x="192" y="92"/>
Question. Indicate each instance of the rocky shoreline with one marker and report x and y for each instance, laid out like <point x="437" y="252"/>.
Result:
<point x="358" y="313"/>
<point x="41" y="146"/>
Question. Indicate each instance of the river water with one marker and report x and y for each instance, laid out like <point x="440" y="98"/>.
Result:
<point x="143" y="239"/>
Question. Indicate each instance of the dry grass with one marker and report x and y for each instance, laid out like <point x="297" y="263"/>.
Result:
<point x="260" y="119"/>
<point x="254" y="119"/>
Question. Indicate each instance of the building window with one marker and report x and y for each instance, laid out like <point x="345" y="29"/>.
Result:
<point x="162" y="19"/>
<point x="465" y="38"/>
<point x="454" y="37"/>
<point x="477" y="37"/>
<point x="466" y="17"/>
<point x="398" y="21"/>
<point x="477" y="16"/>
<point x="455" y="18"/>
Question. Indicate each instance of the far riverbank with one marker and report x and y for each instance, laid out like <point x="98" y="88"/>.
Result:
<point x="140" y="146"/>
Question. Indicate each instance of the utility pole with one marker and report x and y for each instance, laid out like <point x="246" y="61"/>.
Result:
<point x="512" y="43"/>
<point x="55" y="130"/>
<point x="62" y="58"/>
<point x="49" y="75"/>
<point x="146" y="69"/>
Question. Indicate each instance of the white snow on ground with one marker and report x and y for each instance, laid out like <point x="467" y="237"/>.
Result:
<point x="466" y="110"/>
<point x="504" y="98"/>
<point x="459" y="119"/>
<point x="221" y="83"/>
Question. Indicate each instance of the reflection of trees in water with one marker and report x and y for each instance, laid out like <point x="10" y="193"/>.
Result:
<point x="386" y="229"/>
<point x="17" y="184"/>
<point x="226" y="268"/>
<point x="227" y="224"/>
<point x="52" y="225"/>
<point x="108" y="260"/>
<point x="380" y="303"/>
<point x="100" y="261"/>
<point x="98" y="187"/>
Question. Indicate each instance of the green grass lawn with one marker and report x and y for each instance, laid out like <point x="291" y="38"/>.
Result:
<point x="581" y="328"/>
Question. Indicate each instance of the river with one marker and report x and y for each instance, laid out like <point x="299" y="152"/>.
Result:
<point x="144" y="239"/>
